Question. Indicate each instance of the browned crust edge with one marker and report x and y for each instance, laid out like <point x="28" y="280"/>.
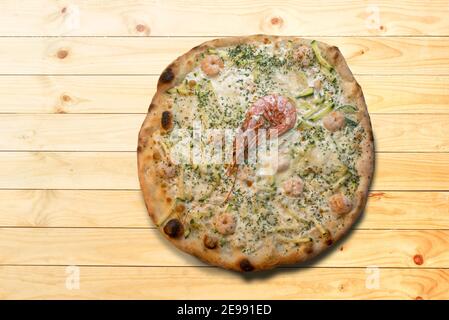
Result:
<point x="171" y="76"/>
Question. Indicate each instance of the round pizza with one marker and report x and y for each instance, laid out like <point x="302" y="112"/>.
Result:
<point x="256" y="151"/>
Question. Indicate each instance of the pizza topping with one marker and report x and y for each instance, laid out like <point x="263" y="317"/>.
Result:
<point x="165" y="170"/>
<point x="305" y="240"/>
<point x="273" y="112"/>
<point x="211" y="65"/>
<point x="340" y="204"/>
<point x="210" y="242"/>
<point x="303" y="54"/>
<point x="305" y="93"/>
<point x="173" y="228"/>
<point x="334" y="121"/>
<point x="347" y="108"/>
<point x="225" y="223"/>
<point x="318" y="55"/>
<point x="277" y="110"/>
<point x="293" y="187"/>
<point x="282" y="164"/>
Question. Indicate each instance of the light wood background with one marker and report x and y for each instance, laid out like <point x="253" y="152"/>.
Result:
<point x="76" y="78"/>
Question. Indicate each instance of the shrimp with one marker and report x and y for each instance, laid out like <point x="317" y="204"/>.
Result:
<point x="165" y="170"/>
<point x="210" y="242"/>
<point x="317" y="84"/>
<point x="212" y="65"/>
<point x="293" y="187"/>
<point x="225" y="223"/>
<point x="340" y="204"/>
<point x="283" y="164"/>
<point x="273" y="112"/>
<point x="334" y="121"/>
<point x="303" y="54"/>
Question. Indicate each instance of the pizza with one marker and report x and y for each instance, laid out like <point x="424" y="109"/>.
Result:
<point x="256" y="151"/>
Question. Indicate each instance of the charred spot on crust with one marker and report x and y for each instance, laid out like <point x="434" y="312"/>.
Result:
<point x="329" y="241"/>
<point x="210" y="242"/>
<point x="167" y="75"/>
<point x="151" y="107"/>
<point x="173" y="228"/>
<point x="139" y="149"/>
<point x="166" y="120"/>
<point x="309" y="249"/>
<point x="246" y="266"/>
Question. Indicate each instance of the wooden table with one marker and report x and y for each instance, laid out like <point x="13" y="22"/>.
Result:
<point x="76" y="78"/>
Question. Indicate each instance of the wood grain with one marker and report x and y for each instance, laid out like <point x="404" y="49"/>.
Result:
<point x="68" y="170"/>
<point x="406" y="210"/>
<point x="212" y="283"/>
<point x="411" y="133"/>
<point x="76" y="94"/>
<point x="126" y="209"/>
<point x="146" y="247"/>
<point x="88" y="132"/>
<point x="144" y="18"/>
<point x="132" y="94"/>
<point x="405" y="94"/>
<point x="365" y="55"/>
<point x="72" y="101"/>
<point x="75" y="208"/>
<point x="59" y="132"/>
<point x="411" y="171"/>
<point x="117" y="170"/>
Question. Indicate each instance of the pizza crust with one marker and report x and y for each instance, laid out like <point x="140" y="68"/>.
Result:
<point x="156" y="188"/>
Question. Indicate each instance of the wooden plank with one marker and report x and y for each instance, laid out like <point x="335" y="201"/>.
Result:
<point x="146" y="247"/>
<point x="76" y="94"/>
<point x="73" y="208"/>
<point x="213" y="283"/>
<point x="406" y="210"/>
<point x="411" y="132"/>
<point x="49" y="17"/>
<point x="367" y="55"/>
<point x="117" y="170"/>
<point x="74" y="132"/>
<point x="411" y="171"/>
<point x="125" y="208"/>
<point x="412" y="94"/>
<point x="131" y="94"/>
<point x="68" y="170"/>
<point x="114" y="132"/>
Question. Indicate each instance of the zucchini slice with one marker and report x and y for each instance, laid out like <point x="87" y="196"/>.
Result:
<point x="318" y="55"/>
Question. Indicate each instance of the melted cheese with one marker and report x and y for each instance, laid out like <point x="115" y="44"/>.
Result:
<point x="323" y="160"/>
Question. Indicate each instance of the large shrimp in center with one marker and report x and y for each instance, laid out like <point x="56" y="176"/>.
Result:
<point x="274" y="113"/>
